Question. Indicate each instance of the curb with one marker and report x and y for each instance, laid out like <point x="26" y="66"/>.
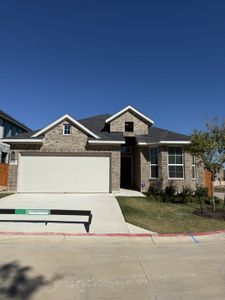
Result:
<point x="147" y="235"/>
<point x="213" y="232"/>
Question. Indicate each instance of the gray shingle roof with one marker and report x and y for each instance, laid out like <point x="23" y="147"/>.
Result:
<point x="156" y="135"/>
<point x="7" y="117"/>
<point x="98" y="126"/>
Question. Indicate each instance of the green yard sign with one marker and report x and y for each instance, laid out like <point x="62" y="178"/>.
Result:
<point x="32" y="211"/>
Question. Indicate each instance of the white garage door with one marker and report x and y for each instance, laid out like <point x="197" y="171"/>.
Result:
<point x="76" y="174"/>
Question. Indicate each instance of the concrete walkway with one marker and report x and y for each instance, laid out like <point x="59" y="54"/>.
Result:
<point x="99" y="268"/>
<point x="128" y="193"/>
<point x="107" y="216"/>
<point x="138" y="230"/>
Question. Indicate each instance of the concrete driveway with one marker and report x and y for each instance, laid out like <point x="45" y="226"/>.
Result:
<point x="88" y="268"/>
<point x="107" y="216"/>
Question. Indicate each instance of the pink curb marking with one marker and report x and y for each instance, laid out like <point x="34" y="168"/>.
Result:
<point x="113" y="234"/>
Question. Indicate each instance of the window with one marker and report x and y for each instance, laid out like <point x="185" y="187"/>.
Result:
<point x="126" y="150"/>
<point x="7" y="129"/>
<point x="193" y="169"/>
<point x="10" y="129"/>
<point x="175" y="162"/>
<point x="154" y="163"/>
<point x="66" y="129"/>
<point x="129" y="126"/>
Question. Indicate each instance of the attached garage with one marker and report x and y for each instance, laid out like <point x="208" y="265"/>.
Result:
<point x="64" y="173"/>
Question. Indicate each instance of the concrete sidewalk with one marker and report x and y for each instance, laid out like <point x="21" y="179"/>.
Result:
<point x="107" y="216"/>
<point x="99" y="268"/>
<point x="220" y="195"/>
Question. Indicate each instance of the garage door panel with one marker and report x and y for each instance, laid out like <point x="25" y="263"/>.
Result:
<point x="64" y="174"/>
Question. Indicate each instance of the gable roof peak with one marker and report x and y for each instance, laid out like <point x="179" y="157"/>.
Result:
<point x="134" y="110"/>
<point x="72" y="120"/>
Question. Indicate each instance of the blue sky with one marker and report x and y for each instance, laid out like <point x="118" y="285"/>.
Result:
<point x="166" y="58"/>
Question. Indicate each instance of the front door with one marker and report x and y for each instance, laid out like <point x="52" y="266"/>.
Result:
<point x="126" y="172"/>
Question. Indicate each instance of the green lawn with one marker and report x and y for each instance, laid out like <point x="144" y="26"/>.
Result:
<point x="2" y="195"/>
<point x="165" y="217"/>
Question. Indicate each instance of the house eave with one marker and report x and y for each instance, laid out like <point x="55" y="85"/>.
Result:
<point x="22" y="141"/>
<point x="98" y="142"/>
<point x="165" y="143"/>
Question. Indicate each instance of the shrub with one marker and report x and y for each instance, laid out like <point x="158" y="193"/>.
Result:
<point x="201" y="192"/>
<point x="153" y="190"/>
<point x="186" y="191"/>
<point x="170" y="191"/>
<point x="176" y="199"/>
<point x="186" y="195"/>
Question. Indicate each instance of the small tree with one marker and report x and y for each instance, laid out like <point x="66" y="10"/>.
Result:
<point x="209" y="147"/>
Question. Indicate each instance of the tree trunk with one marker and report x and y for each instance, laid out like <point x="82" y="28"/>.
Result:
<point x="213" y="198"/>
<point x="201" y="205"/>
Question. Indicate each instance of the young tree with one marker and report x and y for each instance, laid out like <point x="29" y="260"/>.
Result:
<point x="209" y="147"/>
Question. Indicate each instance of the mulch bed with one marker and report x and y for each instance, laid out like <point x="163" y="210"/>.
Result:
<point x="219" y="214"/>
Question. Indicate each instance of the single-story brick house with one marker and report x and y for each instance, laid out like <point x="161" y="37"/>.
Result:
<point x="100" y="154"/>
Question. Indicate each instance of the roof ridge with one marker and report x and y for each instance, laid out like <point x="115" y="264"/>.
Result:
<point x="95" y="116"/>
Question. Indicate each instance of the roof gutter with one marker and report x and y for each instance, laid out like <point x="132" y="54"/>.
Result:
<point x="165" y="143"/>
<point x="98" y="142"/>
<point x="22" y="141"/>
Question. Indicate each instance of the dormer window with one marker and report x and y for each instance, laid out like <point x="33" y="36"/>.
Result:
<point x="66" y="129"/>
<point x="129" y="126"/>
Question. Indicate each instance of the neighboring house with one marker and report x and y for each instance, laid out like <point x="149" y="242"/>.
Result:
<point x="100" y="154"/>
<point x="220" y="178"/>
<point x="8" y="127"/>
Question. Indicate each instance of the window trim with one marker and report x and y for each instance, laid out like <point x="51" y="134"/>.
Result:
<point x="178" y="165"/>
<point x="66" y="124"/>
<point x="153" y="165"/>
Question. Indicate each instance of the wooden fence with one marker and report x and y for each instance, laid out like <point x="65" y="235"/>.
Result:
<point x="4" y="169"/>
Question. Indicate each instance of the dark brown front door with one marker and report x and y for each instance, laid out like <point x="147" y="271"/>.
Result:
<point x="126" y="172"/>
<point x="3" y="174"/>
